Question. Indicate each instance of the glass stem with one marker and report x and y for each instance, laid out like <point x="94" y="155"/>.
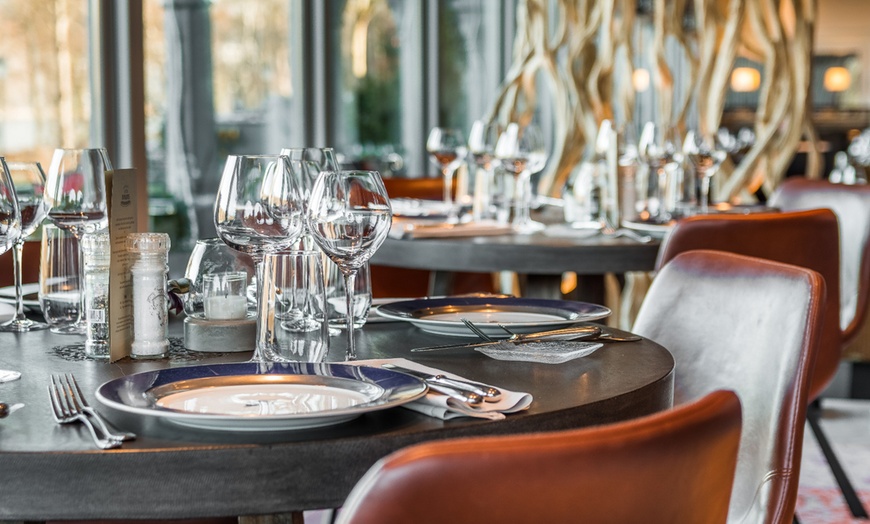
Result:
<point x="349" y="278"/>
<point x="705" y="194"/>
<point x="448" y="186"/>
<point x="523" y="200"/>
<point x="83" y="299"/>
<point x="19" y="294"/>
<point x="259" y="355"/>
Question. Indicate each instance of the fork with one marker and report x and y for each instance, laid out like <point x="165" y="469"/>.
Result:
<point x="66" y="411"/>
<point x="476" y="330"/>
<point x="78" y="396"/>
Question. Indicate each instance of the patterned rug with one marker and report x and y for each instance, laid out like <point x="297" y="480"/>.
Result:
<point x="847" y="426"/>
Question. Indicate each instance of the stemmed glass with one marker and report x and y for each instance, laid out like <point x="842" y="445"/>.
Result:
<point x="10" y="231"/>
<point x="521" y="152"/>
<point x="482" y="140"/>
<point x="29" y="181"/>
<point x="307" y="163"/>
<point x="258" y="210"/>
<point x="446" y="148"/>
<point x="349" y="216"/>
<point x="75" y="195"/>
<point x="660" y="150"/>
<point x="706" y="157"/>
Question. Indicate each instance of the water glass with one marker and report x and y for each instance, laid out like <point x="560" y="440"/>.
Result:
<point x="293" y="318"/>
<point x="335" y="295"/>
<point x="59" y="280"/>
<point x="211" y="256"/>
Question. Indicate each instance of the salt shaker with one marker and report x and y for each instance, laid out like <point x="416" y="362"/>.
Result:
<point x="149" y="267"/>
<point x="96" y="255"/>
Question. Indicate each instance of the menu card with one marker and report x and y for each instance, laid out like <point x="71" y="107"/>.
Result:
<point x="121" y="197"/>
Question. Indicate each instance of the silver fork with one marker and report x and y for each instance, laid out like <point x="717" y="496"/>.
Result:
<point x="66" y="411"/>
<point x="77" y="395"/>
<point x="476" y="330"/>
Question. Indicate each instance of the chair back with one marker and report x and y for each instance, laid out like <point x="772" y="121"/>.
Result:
<point x="851" y="204"/>
<point x="750" y="325"/>
<point x="807" y="239"/>
<point x="674" y="466"/>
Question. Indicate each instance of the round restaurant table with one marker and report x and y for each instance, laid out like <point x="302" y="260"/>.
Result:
<point x="539" y="258"/>
<point x="54" y="471"/>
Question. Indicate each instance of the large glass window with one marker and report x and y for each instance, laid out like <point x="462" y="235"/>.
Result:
<point x="45" y="91"/>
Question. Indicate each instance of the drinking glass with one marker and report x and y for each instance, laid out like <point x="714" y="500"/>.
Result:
<point x="349" y="216"/>
<point x="10" y="230"/>
<point x="521" y="152"/>
<point x="59" y="285"/>
<point x="29" y="181"/>
<point x="258" y="210"/>
<point x="706" y="156"/>
<point x="75" y="195"/>
<point x="307" y="163"/>
<point x="446" y="148"/>
<point x="660" y="152"/>
<point x="488" y="200"/>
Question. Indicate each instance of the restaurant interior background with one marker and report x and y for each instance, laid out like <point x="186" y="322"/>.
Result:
<point x="174" y="86"/>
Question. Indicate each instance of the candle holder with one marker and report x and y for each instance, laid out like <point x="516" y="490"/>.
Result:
<point x="221" y="306"/>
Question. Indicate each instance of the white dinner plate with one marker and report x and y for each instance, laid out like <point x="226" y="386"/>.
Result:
<point x="252" y="397"/>
<point x="520" y="315"/>
<point x="29" y="291"/>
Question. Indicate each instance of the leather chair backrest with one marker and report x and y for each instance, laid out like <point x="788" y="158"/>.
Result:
<point x="750" y="325"/>
<point x="851" y="204"/>
<point x="808" y="239"/>
<point x="674" y="466"/>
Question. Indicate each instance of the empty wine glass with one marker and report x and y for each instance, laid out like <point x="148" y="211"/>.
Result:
<point x="349" y="216"/>
<point x="660" y="152"/>
<point x="307" y="163"/>
<point x="446" y="148"/>
<point x="75" y="195"/>
<point x="706" y="157"/>
<point x="10" y="231"/>
<point x="258" y="210"/>
<point x="521" y="152"/>
<point x="29" y="181"/>
<point x="482" y="140"/>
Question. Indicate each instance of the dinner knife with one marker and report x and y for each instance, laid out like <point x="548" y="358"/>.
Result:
<point x="570" y="333"/>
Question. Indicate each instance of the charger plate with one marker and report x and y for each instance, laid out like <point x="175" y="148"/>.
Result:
<point x="520" y="315"/>
<point x="275" y="396"/>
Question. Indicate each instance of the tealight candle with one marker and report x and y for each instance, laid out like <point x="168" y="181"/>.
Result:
<point x="224" y="295"/>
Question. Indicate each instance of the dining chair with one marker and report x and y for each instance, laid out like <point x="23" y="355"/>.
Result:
<point x="390" y="282"/>
<point x="851" y="204"/>
<point x="625" y="472"/>
<point x="753" y="326"/>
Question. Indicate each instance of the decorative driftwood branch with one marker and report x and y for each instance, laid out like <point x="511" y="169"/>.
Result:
<point x="586" y="62"/>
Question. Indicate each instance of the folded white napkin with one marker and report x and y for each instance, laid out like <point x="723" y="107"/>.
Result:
<point x="441" y="406"/>
<point x="415" y="229"/>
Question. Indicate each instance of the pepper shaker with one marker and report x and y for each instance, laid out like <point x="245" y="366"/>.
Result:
<point x="96" y="255"/>
<point x="149" y="268"/>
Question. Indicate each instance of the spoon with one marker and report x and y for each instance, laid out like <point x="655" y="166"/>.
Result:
<point x="6" y="409"/>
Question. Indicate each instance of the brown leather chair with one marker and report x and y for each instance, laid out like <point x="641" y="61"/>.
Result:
<point x="807" y="239"/>
<point x="851" y="204"/>
<point x="674" y="466"/>
<point x="751" y="325"/>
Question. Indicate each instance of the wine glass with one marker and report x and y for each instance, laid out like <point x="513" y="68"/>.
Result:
<point x="258" y="210"/>
<point x="521" y="152"/>
<point x="29" y="181"/>
<point x="10" y="231"/>
<point x="349" y="216"/>
<point x="75" y="195"/>
<point x="307" y="163"/>
<point x="706" y="157"/>
<point x="660" y="152"/>
<point x="446" y="148"/>
<point x="482" y="140"/>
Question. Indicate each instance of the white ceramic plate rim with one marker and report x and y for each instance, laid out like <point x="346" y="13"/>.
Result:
<point x="247" y="423"/>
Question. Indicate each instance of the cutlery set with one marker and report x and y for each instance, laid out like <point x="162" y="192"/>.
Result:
<point x="585" y="333"/>
<point x="466" y="391"/>
<point x="68" y="405"/>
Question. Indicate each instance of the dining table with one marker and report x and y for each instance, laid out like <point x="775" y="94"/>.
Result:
<point x="539" y="259"/>
<point x="54" y="472"/>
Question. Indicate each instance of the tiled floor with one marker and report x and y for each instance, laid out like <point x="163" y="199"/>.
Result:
<point x="847" y="426"/>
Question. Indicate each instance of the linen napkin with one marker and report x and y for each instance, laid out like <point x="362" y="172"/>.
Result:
<point x="407" y="229"/>
<point x="441" y="406"/>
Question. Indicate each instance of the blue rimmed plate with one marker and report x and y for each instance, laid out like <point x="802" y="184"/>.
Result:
<point x="260" y="397"/>
<point x="520" y="315"/>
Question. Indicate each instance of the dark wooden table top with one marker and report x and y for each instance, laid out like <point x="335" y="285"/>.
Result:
<point x="55" y="472"/>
